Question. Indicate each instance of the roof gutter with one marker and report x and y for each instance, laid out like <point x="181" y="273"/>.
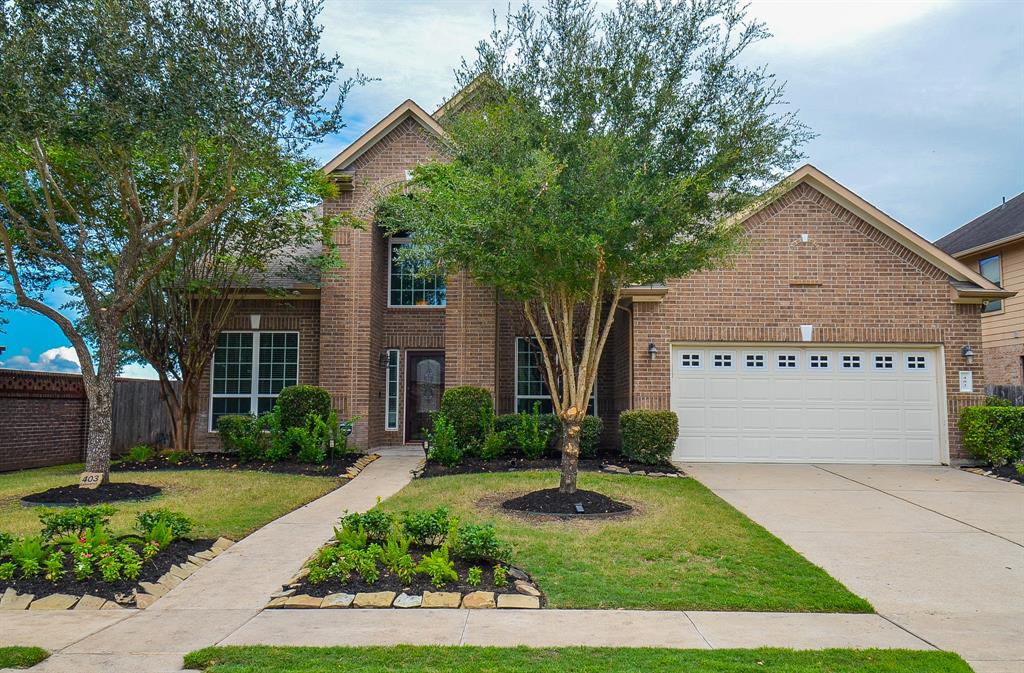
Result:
<point x="988" y="246"/>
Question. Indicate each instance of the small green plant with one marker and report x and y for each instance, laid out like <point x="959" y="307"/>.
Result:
<point x="438" y="567"/>
<point x="110" y="567"/>
<point x="161" y="534"/>
<point x="29" y="553"/>
<point x="480" y="542"/>
<point x="590" y="436"/>
<point x="244" y="435"/>
<point x="54" y="566"/>
<point x="428" y="528"/>
<point x="131" y="564"/>
<point x="73" y="521"/>
<point x="140" y="453"/>
<point x="444" y="448"/>
<point x="531" y="437"/>
<point x="7" y="571"/>
<point x="354" y="539"/>
<point x="393" y="549"/>
<point x="1019" y="467"/>
<point x="180" y="524"/>
<point x="150" y="549"/>
<point x="377" y="523"/>
<point x="495" y="446"/>
<point x="366" y="563"/>
<point x="174" y="456"/>
<point x="500" y="576"/>
<point x="475" y="576"/>
<point x="6" y="540"/>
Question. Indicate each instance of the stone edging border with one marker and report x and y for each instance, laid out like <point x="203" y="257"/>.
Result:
<point x="360" y="464"/>
<point x="991" y="475"/>
<point x="144" y="596"/>
<point x="617" y="469"/>
<point x="475" y="600"/>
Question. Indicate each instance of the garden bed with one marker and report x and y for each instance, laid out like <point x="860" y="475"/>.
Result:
<point x="1003" y="472"/>
<point x="73" y="495"/>
<point x="613" y="464"/>
<point x="581" y="503"/>
<point x="346" y="465"/>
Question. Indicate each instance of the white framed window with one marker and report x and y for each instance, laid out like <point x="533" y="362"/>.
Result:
<point x="406" y="287"/>
<point x="754" y="360"/>
<point x="853" y="361"/>
<point x="786" y="361"/>
<point x="992" y="269"/>
<point x="819" y="360"/>
<point x="531" y="382"/>
<point x="883" y="361"/>
<point x="690" y="360"/>
<point x="249" y="370"/>
<point x="391" y="391"/>
<point x="722" y="360"/>
<point x="915" y="361"/>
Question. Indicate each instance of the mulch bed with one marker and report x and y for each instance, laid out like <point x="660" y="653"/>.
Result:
<point x="550" y="501"/>
<point x="478" y="465"/>
<point x="230" y="461"/>
<point x="110" y="492"/>
<point x="1006" y="472"/>
<point x="420" y="583"/>
<point x="175" y="553"/>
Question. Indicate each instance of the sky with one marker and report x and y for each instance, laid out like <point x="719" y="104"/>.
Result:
<point x="918" y="105"/>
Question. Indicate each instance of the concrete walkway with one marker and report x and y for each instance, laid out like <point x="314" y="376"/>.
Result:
<point x="936" y="550"/>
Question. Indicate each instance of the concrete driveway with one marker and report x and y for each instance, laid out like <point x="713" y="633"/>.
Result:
<point x="938" y="551"/>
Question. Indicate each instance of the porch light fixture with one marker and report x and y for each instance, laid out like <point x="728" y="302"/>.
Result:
<point x="968" y="353"/>
<point x="652" y="350"/>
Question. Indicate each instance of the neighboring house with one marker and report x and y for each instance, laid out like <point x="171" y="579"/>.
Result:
<point x="837" y="337"/>
<point x="993" y="245"/>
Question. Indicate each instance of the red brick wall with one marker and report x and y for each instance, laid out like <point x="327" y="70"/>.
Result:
<point x="863" y="288"/>
<point x="43" y="419"/>
<point x="1003" y="365"/>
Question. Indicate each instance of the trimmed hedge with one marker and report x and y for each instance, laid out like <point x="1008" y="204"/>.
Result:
<point x="648" y="436"/>
<point x="470" y="410"/>
<point x="994" y="434"/>
<point x="296" y="403"/>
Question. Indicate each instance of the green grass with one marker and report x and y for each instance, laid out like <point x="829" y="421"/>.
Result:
<point x="683" y="549"/>
<point x="21" y="657"/>
<point x="407" y="659"/>
<point x="232" y="503"/>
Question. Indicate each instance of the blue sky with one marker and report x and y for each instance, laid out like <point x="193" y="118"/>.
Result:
<point x="919" y="105"/>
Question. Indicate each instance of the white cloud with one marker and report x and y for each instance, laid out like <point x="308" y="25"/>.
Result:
<point x="137" y="371"/>
<point x="61" y="359"/>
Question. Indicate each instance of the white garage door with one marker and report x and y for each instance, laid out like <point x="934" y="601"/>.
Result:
<point x="761" y="403"/>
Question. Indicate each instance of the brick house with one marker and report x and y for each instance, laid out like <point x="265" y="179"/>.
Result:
<point x="993" y="244"/>
<point x="837" y="337"/>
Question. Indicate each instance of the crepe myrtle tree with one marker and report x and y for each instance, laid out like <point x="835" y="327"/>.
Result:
<point x="591" y="152"/>
<point x="132" y="126"/>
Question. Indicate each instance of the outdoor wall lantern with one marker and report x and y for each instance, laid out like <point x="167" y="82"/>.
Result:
<point x="968" y="353"/>
<point x="652" y="350"/>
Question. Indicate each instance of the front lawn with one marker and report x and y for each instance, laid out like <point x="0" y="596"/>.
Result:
<point x="229" y="503"/>
<point x="21" y="657"/>
<point x="684" y="548"/>
<point x="408" y="659"/>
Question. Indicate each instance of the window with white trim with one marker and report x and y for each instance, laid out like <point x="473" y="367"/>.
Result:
<point x="819" y="361"/>
<point x="689" y="360"/>
<point x="721" y="360"/>
<point x="391" y="391"/>
<point x="531" y="382"/>
<point x="786" y="361"/>
<point x="992" y="269"/>
<point x="249" y="370"/>
<point x="406" y="285"/>
<point x="852" y="361"/>
<point x="884" y="361"/>
<point x="754" y="361"/>
<point x="916" y="361"/>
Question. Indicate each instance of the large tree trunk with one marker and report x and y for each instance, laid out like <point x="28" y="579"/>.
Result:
<point x="570" y="454"/>
<point x="99" y="390"/>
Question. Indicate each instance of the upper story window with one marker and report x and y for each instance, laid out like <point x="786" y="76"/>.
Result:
<point x="992" y="269"/>
<point x="250" y="369"/>
<point x="405" y="286"/>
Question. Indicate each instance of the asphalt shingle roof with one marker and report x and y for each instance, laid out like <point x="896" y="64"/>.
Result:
<point x="1003" y="221"/>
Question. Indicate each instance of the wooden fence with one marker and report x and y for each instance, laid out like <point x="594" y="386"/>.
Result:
<point x="140" y="416"/>
<point x="1013" y="393"/>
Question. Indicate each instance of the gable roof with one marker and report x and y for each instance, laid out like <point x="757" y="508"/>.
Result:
<point x="1002" y="224"/>
<point x="408" y="109"/>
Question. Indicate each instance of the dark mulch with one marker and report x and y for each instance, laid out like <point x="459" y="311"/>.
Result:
<point x="550" y="501"/>
<point x="175" y="553"/>
<point x="230" y="461"/>
<point x="419" y="584"/>
<point x="110" y="492"/>
<point x="478" y="465"/>
<point x="1006" y="472"/>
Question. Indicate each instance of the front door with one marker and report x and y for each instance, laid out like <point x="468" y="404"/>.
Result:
<point x="424" y="384"/>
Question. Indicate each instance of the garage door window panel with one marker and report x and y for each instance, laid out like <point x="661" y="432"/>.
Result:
<point x="853" y="361"/>
<point x="754" y="360"/>
<point x="820" y="361"/>
<point x="787" y="361"/>
<point x="722" y="360"/>
<point x="884" y="362"/>
<point x="915" y="362"/>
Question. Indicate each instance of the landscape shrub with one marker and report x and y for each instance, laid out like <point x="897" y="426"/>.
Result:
<point x="480" y="542"/>
<point x="648" y="436"/>
<point x="140" y="453"/>
<point x="994" y="434"/>
<point x="377" y="523"/>
<point x="532" y="434"/>
<point x="471" y="413"/>
<point x="242" y="435"/>
<point x="427" y="527"/>
<point x="73" y="521"/>
<point x="174" y="456"/>
<point x="180" y="525"/>
<point x="297" y="403"/>
<point x="993" y="401"/>
<point x="496" y="445"/>
<point x="443" y="447"/>
<point x="590" y="436"/>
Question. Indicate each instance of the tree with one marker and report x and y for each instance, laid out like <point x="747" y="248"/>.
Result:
<point x="175" y="325"/>
<point x="130" y="127"/>
<point x="594" y="152"/>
